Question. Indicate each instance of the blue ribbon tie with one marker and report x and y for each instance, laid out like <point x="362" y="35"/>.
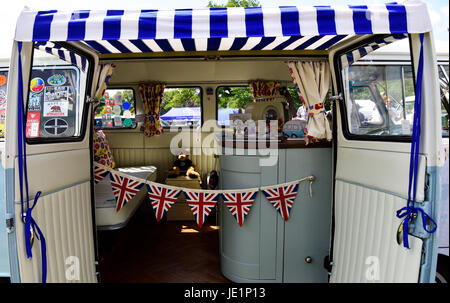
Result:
<point x="409" y="212"/>
<point x="30" y="224"/>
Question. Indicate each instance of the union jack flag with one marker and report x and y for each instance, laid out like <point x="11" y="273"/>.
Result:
<point x="201" y="204"/>
<point x="239" y="203"/>
<point x="282" y="197"/>
<point x="124" y="189"/>
<point x="162" y="199"/>
<point x="100" y="172"/>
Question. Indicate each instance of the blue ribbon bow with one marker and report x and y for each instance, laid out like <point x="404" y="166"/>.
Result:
<point x="408" y="212"/>
<point x="30" y="224"/>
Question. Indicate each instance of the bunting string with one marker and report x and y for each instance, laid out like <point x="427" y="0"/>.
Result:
<point x="201" y="202"/>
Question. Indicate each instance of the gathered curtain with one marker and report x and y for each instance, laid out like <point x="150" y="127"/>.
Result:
<point x="264" y="89"/>
<point x="105" y="72"/>
<point x="152" y="95"/>
<point x="312" y="81"/>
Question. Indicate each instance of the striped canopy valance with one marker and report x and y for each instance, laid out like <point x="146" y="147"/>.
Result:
<point x="250" y="28"/>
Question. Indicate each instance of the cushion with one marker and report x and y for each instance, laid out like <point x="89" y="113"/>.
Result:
<point x="102" y="152"/>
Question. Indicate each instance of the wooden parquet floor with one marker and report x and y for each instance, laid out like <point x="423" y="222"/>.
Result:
<point x="169" y="251"/>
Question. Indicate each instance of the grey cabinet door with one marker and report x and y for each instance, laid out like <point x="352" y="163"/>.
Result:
<point x="307" y="232"/>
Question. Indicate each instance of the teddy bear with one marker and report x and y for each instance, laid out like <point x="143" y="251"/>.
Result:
<point x="183" y="166"/>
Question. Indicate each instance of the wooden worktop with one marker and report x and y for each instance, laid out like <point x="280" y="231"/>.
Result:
<point x="281" y="145"/>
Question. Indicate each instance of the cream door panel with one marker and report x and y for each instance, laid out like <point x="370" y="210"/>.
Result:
<point x="365" y="246"/>
<point x="50" y="172"/>
<point x="384" y="170"/>
<point x="65" y="218"/>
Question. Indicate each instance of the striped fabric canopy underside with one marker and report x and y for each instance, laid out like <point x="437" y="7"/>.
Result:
<point x="63" y="54"/>
<point x="221" y="29"/>
<point x="359" y="53"/>
<point x="215" y="44"/>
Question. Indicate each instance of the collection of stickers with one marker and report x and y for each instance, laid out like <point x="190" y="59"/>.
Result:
<point x="3" y="80"/>
<point x="49" y="99"/>
<point x="114" y="110"/>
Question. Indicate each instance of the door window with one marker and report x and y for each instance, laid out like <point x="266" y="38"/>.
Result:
<point x="379" y="98"/>
<point x="57" y="92"/>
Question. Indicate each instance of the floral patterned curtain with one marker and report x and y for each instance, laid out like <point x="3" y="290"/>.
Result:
<point x="312" y="79"/>
<point x="265" y="89"/>
<point x="152" y="95"/>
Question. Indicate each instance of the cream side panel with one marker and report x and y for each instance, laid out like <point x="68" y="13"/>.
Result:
<point x="383" y="170"/>
<point x="365" y="246"/>
<point x="133" y="148"/>
<point x="65" y="219"/>
<point x="50" y="172"/>
<point x="198" y="71"/>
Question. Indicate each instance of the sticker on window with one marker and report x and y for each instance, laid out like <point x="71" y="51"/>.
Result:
<point x="56" y="109"/>
<point x="32" y="127"/>
<point x="37" y="85"/>
<point x="56" y="126"/>
<point x="56" y="79"/>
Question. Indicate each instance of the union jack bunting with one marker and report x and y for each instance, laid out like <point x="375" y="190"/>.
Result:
<point x="162" y="198"/>
<point x="282" y="197"/>
<point x="201" y="203"/>
<point x="239" y="203"/>
<point x="124" y="189"/>
<point x="100" y="172"/>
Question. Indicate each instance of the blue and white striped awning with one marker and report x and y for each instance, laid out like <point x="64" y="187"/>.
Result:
<point x="222" y="29"/>
<point x="359" y="53"/>
<point x="63" y="54"/>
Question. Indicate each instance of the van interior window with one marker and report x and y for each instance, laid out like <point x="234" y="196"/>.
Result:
<point x="231" y="99"/>
<point x="181" y="106"/>
<point x="117" y="109"/>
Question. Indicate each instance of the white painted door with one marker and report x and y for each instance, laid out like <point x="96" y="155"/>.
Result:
<point x="56" y="82"/>
<point x="373" y="135"/>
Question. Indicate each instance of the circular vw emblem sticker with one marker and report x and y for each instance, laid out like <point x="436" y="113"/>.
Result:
<point x="56" y="126"/>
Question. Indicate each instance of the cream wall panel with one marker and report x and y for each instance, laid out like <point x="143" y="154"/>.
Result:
<point x="65" y="219"/>
<point x="198" y="71"/>
<point x="133" y="149"/>
<point x="125" y="139"/>
<point x="366" y="227"/>
<point x="125" y="157"/>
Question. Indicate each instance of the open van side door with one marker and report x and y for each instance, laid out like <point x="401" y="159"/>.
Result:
<point x="372" y="161"/>
<point x="56" y="82"/>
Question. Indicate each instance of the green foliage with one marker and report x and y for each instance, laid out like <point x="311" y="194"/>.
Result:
<point x="180" y="97"/>
<point x="235" y="3"/>
<point x="233" y="97"/>
<point x="297" y="102"/>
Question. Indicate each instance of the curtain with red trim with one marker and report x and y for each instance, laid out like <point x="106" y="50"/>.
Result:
<point x="312" y="81"/>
